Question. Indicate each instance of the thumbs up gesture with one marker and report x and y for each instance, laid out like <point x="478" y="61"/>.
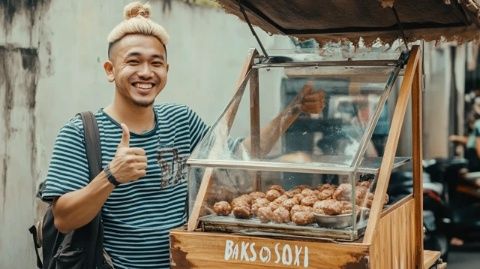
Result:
<point x="312" y="101"/>
<point x="129" y="164"/>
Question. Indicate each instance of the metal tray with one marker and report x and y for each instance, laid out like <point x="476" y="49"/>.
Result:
<point x="253" y="226"/>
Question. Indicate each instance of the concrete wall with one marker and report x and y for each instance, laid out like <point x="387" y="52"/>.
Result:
<point x="51" y="55"/>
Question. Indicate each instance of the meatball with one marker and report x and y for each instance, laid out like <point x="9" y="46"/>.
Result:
<point x="289" y="203"/>
<point x="329" y="207"/>
<point x="303" y="218"/>
<point x="343" y="192"/>
<point x="325" y="194"/>
<point x="265" y="214"/>
<point x="309" y="200"/>
<point x="307" y="192"/>
<point x="281" y="215"/>
<point x="274" y="205"/>
<point x="272" y="195"/>
<point x="292" y="192"/>
<point x="243" y="200"/>
<point x="222" y="208"/>
<point x="326" y="186"/>
<point x="365" y="184"/>
<point x="278" y="188"/>
<point x="257" y="194"/>
<point x="300" y="208"/>
<point x="242" y="212"/>
<point x="302" y="187"/>
<point x="260" y="202"/>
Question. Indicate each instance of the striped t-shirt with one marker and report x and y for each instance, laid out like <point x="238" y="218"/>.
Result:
<point x="138" y="215"/>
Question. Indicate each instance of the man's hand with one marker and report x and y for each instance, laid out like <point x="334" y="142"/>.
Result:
<point x="312" y="102"/>
<point x="129" y="164"/>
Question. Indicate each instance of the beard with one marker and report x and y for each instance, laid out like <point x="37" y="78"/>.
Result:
<point x="146" y="103"/>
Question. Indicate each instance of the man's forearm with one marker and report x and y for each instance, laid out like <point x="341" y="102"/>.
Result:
<point x="75" y="209"/>
<point x="270" y="134"/>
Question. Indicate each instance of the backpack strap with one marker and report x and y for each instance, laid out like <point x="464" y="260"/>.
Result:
<point x="33" y="231"/>
<point x="92" y="143"/>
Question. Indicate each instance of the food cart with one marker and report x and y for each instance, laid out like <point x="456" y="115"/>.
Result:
<point x="257" y="199"/>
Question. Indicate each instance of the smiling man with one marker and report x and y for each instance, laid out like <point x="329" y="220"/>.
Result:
<point x="142" y="189"/>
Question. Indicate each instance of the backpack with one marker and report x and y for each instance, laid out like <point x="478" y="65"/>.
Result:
<point x="83" y="247"/>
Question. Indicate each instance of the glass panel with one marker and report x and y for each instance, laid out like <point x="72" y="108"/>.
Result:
<point x="314" y="205"/>
<point x="291" y="137"/>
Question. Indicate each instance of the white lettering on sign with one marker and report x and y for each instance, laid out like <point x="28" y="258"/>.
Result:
<point x="284" y="254"/>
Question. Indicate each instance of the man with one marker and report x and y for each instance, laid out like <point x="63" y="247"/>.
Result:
<point x="140" y="202"/>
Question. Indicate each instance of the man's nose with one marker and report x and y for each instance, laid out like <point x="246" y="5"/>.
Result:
<point x="145" y="71"/>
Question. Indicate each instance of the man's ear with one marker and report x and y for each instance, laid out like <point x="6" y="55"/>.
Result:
<point x="108" y="67"/>
<point x="168" y="67"/>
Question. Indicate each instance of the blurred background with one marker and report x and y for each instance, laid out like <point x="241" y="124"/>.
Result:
<point x="51" y="57"/>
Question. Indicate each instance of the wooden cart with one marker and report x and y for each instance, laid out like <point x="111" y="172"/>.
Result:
<point x="393" y="237"/>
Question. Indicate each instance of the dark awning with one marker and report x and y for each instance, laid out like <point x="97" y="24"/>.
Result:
<point x="327" y="20"/>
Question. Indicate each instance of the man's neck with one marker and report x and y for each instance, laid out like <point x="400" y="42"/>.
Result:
<point x="138" y="119"/>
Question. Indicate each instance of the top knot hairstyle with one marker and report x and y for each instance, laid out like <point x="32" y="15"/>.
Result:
<point x="137" y="21"/>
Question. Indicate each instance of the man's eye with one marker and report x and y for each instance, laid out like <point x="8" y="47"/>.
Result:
<point x="157" y="63"/>
<point x="132" y="62"/>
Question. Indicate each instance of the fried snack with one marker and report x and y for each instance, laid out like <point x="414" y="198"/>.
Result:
<point x="260" y="202"/>
<point x="278" y="188"/>
<point x="300" y="208"/>
<point x="303" y="218"/>
<point x="272" y="195"/>
<point x="265" y="214"/>
<point x="309" y="200"/>
<point x="222" y="208"/>
<point x="289" y="203"/>
<point x="242" y="212"/>
<point x="325" y="194"/>
<point x="257" y="194"/>
<point x="343" y="192"/>
<point x="281" y="215"/>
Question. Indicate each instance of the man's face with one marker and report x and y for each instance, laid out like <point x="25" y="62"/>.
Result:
<point x="138" y="66"/>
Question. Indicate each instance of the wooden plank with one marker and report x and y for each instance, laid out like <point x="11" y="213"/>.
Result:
<point x="391" y="145"/>
<point x="417" y="158"/>
<point x="393" y="245"/>
<point x="255" y="124"/>
<point x="207" y="176"/>
<point x="430" y="258"/>
<point x="220" y="250"/>
<point x="397" y="204"/>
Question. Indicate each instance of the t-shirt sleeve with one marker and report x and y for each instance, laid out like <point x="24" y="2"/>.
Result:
<point x="198" y="128"/>
<point x="68" y="169"/>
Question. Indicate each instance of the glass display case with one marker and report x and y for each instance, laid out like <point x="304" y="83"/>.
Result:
<point x="276" y="168"/>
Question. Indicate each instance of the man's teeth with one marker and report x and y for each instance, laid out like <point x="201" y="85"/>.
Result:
<point x="143" y="85"/>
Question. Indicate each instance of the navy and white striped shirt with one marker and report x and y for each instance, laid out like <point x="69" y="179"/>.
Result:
<point x="138" y="215"/>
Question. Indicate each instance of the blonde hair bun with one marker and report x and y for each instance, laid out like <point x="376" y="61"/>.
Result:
<point x="135" y="9"/>
<point x="137" y="21"/>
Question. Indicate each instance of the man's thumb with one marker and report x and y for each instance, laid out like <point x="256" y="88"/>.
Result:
<point x="125" y="141"/>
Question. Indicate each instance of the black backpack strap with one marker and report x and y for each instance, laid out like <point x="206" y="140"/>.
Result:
<point x="33" y="231"/>
<point x="94" y="157"/>
<point x="92" y="143"/>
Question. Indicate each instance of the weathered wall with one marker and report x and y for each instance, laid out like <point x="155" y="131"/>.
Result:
<point x="51" y="55"/>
